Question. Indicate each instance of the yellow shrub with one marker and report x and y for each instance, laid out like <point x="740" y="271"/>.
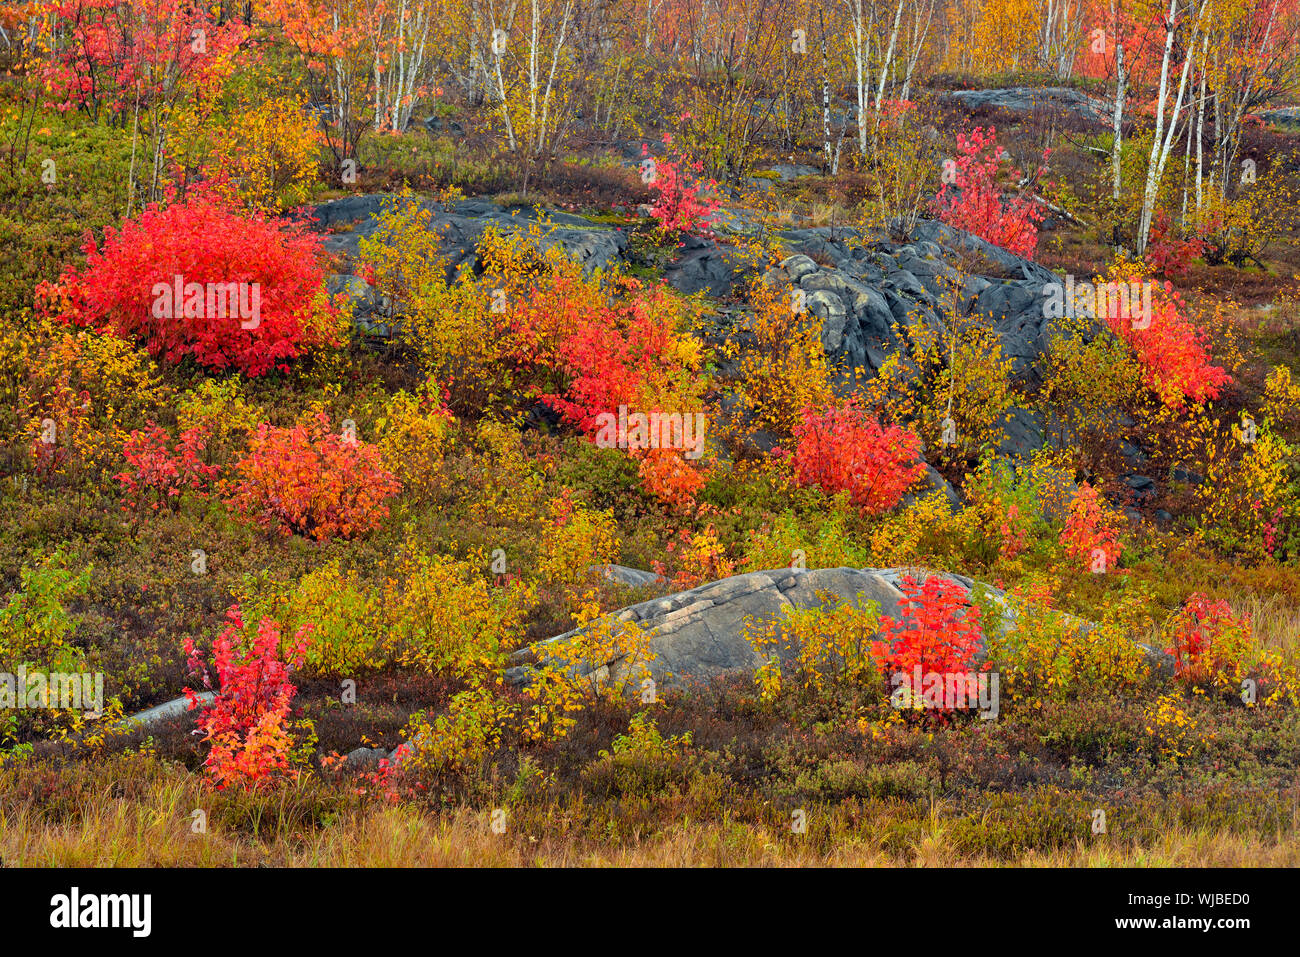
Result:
<point x="448" y="325"/>
<point x="833" y="645"/>
<point x="1172" y="729"/>
<point x="1084" y="383"/>
<point x="505" y="486"/>
<point x="439" y="615"/>
<point x="782" y="369"/>
<point x="412" y="431"/>
<point x="644" y="740"/>
<point x="270" y="151"/>
<point x="574" y="539"/>
<point x="926" y="529"/>
<point x="460" y="740"/>
<point x="1245" y="484"/>
<point x="601" y="659"/>
<point x="89" y="391"/>
<point x="1048" y="653"/>
<point x="1281" y="404"/>
<point x="954" y="390"/>
<point x="346" y="621"/>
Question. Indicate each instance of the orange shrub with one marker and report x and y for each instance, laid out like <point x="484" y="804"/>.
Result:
<point x="311" y="481"/>
<point x="1089" y="534"/>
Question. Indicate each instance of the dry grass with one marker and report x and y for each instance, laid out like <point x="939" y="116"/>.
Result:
<point x="151" y="827"/>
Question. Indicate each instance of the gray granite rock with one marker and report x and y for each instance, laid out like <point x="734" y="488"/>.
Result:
<point x="163" y="712"/>
<point x="1027" y="99"/>
<point x="699" y="634"/>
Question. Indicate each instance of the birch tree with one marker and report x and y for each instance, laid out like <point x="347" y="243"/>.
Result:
<point x="1186" y="17"/>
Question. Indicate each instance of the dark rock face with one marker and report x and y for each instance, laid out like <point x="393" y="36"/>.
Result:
<point x="878" y="284"/>
<point x="461" y="225"/>
<point x="859" y="290"/>
<point x="704" y="266"/>
<point x="1027" y="99"/>
<point x="1286" y="116"/>
<point x="871" y="293"/>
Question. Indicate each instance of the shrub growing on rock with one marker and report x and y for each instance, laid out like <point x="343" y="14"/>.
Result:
<point x="972" y="200"/>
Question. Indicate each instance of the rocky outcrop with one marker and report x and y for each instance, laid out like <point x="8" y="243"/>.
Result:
<point x="699" y="634"/>
<point x="461" y="225"/>
<point x="860" y="285"/>
<point x="1029" y="99"/>
<point x="871" y="293"/>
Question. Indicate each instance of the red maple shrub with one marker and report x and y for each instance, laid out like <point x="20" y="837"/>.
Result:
<point x="1208" y="639"/>
<point x="1088" y="536"/>
<point x="109" y="61"/>
<point x="667" y="475"/>
<point x="846" y="450"/>
<point x="157" y="473"/>
<point x="1173" y="353"/>
<point x="939" y="633"/>
<point x="680" y="205"/>
<point x="246" y="723"/>
<point x="311" y="481"/>
<point x="233" y="289"/>
<point x="971" y="199"/>
<point x="1170" y="255"/>
<point x="606" y="358"/>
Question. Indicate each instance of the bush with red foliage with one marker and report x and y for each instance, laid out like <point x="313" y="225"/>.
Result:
<point x="311" y="481"/>
<point x="1088" y="536"/>
<point x="246" y="723"/>
<point x="1207" y="639"/>
<point x="669" y="477"/>
<point x="1173" y="353"/>
<point x="609" y="352"/>
<point x="939" y="633"/>
<point x="111" y="59"/>
<point x="208" y="243"/>
<point x="973" y="201"/>
<point x="680" y="205"/>
<point x="846" y="450"/>
<point x="1170" y="255"/>
<point x="159" y="473"/>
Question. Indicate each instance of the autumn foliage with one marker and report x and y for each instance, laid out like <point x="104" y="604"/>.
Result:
<point x="1170" y="255"/>
<point x="205" y="242"/>
<point x="973" y="200"/>
<point x="311" y="481"/>
<point x="1174" y="354"/>
<point x="1089" y="535"/>
<point x="112" y="59"/>
<point x="158" y="470"/>
<point x="1207" y="638"/>
<point x="939" y="630"/>
<point x="846" y="450"/>
<point x="245" y="725"/>
<point x="680" y="205"/>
